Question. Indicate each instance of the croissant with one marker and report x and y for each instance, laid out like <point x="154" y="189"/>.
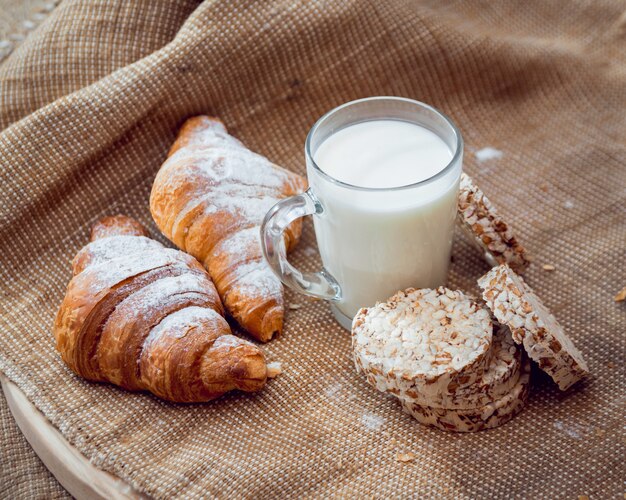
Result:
<point x="146" y="317"/>
<point x="209" y="198"/>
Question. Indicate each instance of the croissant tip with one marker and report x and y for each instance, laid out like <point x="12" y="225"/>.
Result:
<point x="272" y="324"/>
<point x="252" y="372"/>
<point x="117" y="225"/>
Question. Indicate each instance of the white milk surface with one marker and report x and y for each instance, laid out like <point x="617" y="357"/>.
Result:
<point x="383" y="154"/>
<point x="376" y="242"/>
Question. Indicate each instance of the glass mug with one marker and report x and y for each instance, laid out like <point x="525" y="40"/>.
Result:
<point x="372" y="241"/>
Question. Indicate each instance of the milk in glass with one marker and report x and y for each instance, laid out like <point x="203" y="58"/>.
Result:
<point x="376" y="236"/>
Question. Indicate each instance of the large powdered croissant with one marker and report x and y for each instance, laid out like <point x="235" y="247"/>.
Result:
<point x="209" y="198"/>
<point x="146" y="317"/>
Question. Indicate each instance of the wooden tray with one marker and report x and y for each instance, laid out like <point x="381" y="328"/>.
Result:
<point x="78" y="476"/>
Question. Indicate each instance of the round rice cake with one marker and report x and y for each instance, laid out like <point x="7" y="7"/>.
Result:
<point x="497" y="380"/>
<point x="423" y="341"/>
<point x="487" y="229"/>
<point x="488" y="416"/>
<point x="515" y="304"/>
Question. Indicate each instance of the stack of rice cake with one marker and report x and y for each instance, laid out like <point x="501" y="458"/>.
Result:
<point x="439" y="352"/>
<point x="443" y="355"/>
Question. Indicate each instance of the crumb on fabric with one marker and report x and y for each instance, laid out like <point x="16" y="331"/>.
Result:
<point x="405" y="457"/>
<point x="274" y="369"/>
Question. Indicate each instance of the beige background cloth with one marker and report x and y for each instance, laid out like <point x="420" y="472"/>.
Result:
<point x="22" y="474"/>
<point x="89" y="104"/>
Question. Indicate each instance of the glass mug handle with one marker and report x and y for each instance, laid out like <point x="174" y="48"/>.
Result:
<point x="321" y="284"/>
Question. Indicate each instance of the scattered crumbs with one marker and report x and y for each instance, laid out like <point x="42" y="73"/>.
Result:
<point x="583" y="497"/>
<point x="600" y="432"/>
<point x="569" y="430"/>
<point x="544" y="188"/>
<point x="293" y="307"/>
<point x="568" y="204"/>
<point x="610" y="364"/>
<point x="621" y="295"/>
<point x="405" y="457"/>
<point x="488" y="154"/>
<point x="548" y="267"/>
<point x="372" y="421"/>
<point x="274" y="369"/>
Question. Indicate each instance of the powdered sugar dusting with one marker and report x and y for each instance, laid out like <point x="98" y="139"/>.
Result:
<point x="241" y="243"/>
<point x="150" y="303"/>
<point x="572" y="431"/>
<point x="256" y="279"/>
<point x="154" y="296"/>
<point x="334" y="390"/>
<point x="488" y="153"/>
<point x="189" y="317"/>
<point x="97" y="279"/>
<point x="249" y="272"/>
<point x="105" y="249"/>
<point x="240" y="181"/>
<point x="309" y="251"/>
<point x="372" y="422"/>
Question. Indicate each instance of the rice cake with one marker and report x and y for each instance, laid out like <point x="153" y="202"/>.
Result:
<point x="488" y="416"/>
<point x="423" y="341"/>
<point x="497" y="380"/>
<point x="487" y="229"/>
<point x="515" y="304"/>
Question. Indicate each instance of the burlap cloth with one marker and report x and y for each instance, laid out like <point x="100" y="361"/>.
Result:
<point x="90" y="103"/>
<point x="22" y="474"/>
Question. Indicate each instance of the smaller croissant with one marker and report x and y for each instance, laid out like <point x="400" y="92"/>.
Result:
<point x="148" y="318"/>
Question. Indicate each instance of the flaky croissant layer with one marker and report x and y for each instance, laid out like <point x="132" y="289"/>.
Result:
<point x="148" y="318"/>
<point x="209" y="198"/>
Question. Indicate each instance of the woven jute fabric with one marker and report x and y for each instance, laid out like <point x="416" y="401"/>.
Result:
<point x="89" y="105"/>
<point x="22" y="474"/>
